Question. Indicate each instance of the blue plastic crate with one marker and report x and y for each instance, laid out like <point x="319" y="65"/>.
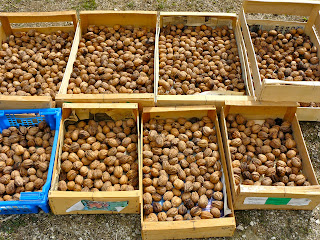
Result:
<point x="30" y="202"/>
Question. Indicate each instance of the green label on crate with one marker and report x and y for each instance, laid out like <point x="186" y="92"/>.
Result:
<point x="278" y="201"/>
<point x="88" y="205"/>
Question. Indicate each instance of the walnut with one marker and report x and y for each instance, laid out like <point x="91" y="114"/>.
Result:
<point x="195" y="211"/>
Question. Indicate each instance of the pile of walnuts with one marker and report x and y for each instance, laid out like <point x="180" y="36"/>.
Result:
<point x="24" y="159"/>
<point x="198" y="59"/>
<point x="310" y="104"/>
<point x="181" y="170"/>
<point x="264" y="153"/>
<point x="118" y="59"/>
<point x="33" y="63"/>
<point x="290" y="56"/>
<point x="100" y="156"/>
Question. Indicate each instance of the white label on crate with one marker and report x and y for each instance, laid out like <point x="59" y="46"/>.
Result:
<point x="76" y="207"/>
<point x="88" y="205"/>
<point x="255" y="200"/>
<point x="299" y="202"/>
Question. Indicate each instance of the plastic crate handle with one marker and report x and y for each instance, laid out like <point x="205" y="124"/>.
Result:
<point x="32" y="196"/>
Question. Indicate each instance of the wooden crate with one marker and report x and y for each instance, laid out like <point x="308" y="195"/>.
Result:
<point x="275" y="89"/>
<point x="218" y="227"/>
<point x="107" y="18"/>
<point x="308" y="114"/>
<point x="28" y="102"/>
<point x="60" y="201"/>
<point x="214" y="98"/>
<point x="253" y="194"/>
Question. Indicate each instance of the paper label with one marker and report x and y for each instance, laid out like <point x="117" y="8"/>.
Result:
<point x="255" y="200"/>
<point x="277" y="201"/>
<point x="299" y="202"/>
<point x="88" y="205"/>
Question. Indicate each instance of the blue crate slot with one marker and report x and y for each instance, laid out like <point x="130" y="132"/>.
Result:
<point x="31" y="202"/>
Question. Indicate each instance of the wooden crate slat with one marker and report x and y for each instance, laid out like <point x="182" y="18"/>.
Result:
<point x="288" y="7"/>
<point x="308" y="114"/>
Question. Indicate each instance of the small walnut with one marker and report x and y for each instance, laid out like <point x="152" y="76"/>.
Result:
<point x="162" y="216"/>
<point x="206" y="215"/>
<point x="215" y="212"/>
<point x="203" y="201"/>
<point x="152" y="217"/>
<point x="147" y="209"/>
<point x="172" y="212"/>
<point x="195" y="211"/>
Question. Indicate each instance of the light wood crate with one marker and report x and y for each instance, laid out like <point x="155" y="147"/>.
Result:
<point x="28" y="102"/>
<point x="218" y="227"/>
<point x="108" y="18"/>
<point x="252" y="194"/>
<point x="60" y="201"/>
<point x="275" y="89"/>
<point x="216" y="98"/>
<point x="308" y="114"/>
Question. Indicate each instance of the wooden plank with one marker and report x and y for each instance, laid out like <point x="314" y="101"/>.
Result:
<point x="143" y="99"/>
<point x="287" y="7"/>
<point x="223" y="161"/>
<point x="101" y="105"/>
<point x="317" y="23"/>
<point x="239" y="42"/>
<point x="204" y="228"/>
<point x="25" y="102"/>
<point x="275" y="92"/>
<point x="3" y="36"/>
<point x="256" y="80"/>
<point x="45" y="30"/>
<point x="198" y="14"/>
<point x="111" y="18"/>
<point x="60" y="201"/>
<point x="308" y="114"/>
<point x="307" y="167"/>
<point x="258" y="112"/>
<point x="29" y="17"/>
<point x="191" y="100"/>
<point x="228" y="160"/>
<point x="179" y="111"/>
<point x="260" y="103"/>
<point x="6" y="25"/>
<point x="249" y="82"/>
<point x="156" y="60"/>
<point x="72" y="58"/>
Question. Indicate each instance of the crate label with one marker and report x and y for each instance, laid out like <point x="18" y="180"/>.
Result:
<point x="88" y="205"/>
<point x="276" y="201"/>
<point x="255" y="200"/>
<point x="299" y="202"/>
